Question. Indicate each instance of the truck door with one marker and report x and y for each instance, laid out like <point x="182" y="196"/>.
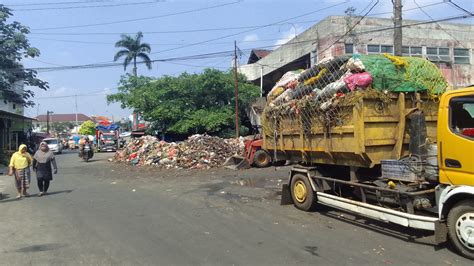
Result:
<point x="456" y="155"/>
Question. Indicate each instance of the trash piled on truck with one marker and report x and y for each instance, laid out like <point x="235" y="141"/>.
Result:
<point x="197" y="152"/>
<point x="321" y="93"/>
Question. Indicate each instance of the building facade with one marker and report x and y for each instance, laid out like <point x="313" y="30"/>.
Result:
<point x="15" y="128"/>
<point x="448" y="45"/>
<point x="42" y="120"/>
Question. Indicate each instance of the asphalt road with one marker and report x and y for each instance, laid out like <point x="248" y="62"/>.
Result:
<point x="102" y="213"/>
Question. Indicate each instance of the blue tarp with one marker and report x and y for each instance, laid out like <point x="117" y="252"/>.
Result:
<point x="111" y="127"/>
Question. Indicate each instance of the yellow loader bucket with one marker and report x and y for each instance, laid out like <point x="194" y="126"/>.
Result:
<point x="237" y="163"/>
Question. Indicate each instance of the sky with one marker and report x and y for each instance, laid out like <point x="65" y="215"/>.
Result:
<point x="79" y="32"/>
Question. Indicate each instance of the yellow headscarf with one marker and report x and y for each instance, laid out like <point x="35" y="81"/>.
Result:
<point x="21" y="160"/>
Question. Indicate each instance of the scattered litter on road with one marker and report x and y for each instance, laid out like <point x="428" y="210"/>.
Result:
<point x="113" y="183"/>
<point x="133" y="190"/>
<point x="197" y="152"/>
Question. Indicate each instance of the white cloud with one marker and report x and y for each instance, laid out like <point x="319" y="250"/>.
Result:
<point x="251" y="38"/>
<point x="289" y="34"/>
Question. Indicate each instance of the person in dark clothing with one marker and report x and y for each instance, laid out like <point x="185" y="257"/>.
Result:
<point x="42" y="161"/>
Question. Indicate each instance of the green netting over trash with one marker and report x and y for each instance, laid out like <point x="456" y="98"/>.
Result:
<point x="404" y="74"/>
<point x="324" y="94"/>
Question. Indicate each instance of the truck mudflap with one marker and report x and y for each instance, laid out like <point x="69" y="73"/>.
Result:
<point x="378" y="213"/>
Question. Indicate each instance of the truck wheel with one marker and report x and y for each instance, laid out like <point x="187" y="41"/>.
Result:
<point x="261" y="159"/>
<point x="461" y="228"/>
<point x="304" y="198"/>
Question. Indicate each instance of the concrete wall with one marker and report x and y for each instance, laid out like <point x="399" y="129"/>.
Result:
<point x="12" y="107"/>
<point x="324" y="39"/>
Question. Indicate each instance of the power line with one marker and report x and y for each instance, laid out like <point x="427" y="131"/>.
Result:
<point x="256" y="28"/>
<point x="164" y="32"/>
<point x="460" y="7"/>
<point x="88" y="6"/>
<point x="201" y="30"/>
<point x="159" y="44"/>
<point x="409" y="9"/>
<point x="92" y="93"/>
<point x="228" y="53"/>
<point x="60" y="3"/>
<point x="432" y="19"/>
<point x="140" y="19"/>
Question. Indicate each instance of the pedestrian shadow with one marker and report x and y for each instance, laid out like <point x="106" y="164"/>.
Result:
<point x="5" y="198"/>
<point x="60" y="192"/>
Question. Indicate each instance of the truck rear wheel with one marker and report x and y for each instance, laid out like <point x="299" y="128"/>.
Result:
<point x="461" y="227"/>
<point x="304" y="198"/>
<point x="262" y="159"/>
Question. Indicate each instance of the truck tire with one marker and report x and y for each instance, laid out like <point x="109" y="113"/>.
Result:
<point x="304" y="198"/>
<point x="261" y="159"/>
<point x="461" y="228"/>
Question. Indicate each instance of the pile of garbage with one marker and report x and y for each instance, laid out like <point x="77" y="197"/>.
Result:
<point x="321" y="92"/>
<point x="197" y="152"/>
<point x="334" y="78"/>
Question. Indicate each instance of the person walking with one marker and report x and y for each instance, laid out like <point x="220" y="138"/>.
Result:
<point x="20" y="164"/>
<point x="42" y="161"/>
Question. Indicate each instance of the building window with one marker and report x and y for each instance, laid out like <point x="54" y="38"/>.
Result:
<point x="373" y="49"/>
<point x="14" y="106"/>
<point x="461" y="56"/>
<point x="379" y="49"/>
<point x="349" y="48"/>
<point x="386" y="49"/>
<point x="438" y="54"/>
<point x="412" y="51"/>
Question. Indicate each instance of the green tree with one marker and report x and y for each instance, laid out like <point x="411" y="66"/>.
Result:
<point x="61" y="127"/>
<point x="133" y="48"/>
<point x="87" y="128"/>
<point x="14" y="46"/>
<point x="187" y="104"/>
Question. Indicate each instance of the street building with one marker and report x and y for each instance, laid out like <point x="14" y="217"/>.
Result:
<point x="15" y="127"/>
<point x="42" y="120"/>
<point x="448" y="45"/>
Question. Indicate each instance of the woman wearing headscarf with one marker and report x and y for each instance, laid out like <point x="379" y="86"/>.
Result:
<point x="20" y="167"/>
<point x="42" y="162"/>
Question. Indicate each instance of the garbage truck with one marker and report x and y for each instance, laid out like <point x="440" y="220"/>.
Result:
<point x="381" y="137"/>
<point x="107" y="136"/>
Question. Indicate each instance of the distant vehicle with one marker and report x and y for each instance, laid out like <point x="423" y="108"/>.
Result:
<point x="87" y="153"/>
<point x="54" y="145"/>
<point x="107" y="136"/>
<point x="108" y="142"/>
<point x="139" y="125"/>
<point x="72" y="143"/>
<point x="125" y="134"/>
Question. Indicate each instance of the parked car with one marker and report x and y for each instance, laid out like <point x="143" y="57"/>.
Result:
<point x="54" y="145"/>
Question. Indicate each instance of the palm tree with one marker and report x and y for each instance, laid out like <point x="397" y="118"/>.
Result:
<point x="133" y="48"/>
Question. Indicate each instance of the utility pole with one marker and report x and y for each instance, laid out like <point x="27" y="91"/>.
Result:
<point x="236" y="92"/>
<point x="397" y="31"/>
<point x="75" y="97"/>
<point x="47" y="121"/>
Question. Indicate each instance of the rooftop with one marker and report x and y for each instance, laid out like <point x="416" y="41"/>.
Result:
<point x="63" y="118"/>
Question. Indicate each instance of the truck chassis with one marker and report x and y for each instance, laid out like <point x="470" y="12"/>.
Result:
<point x="306" y="189"/>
